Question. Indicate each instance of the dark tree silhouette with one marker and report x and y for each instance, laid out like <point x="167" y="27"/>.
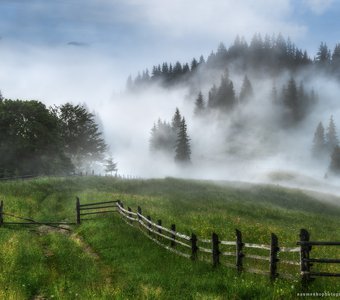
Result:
<point x="246" y="90"/>
<point x="176" y="120"/>
<point x="319" y="142"/>
<point x="199" y="105"/>
<point x="335" y="161"/>
<point x="183" y="151"/>
<point x="331" y="136"/>
<point x="83" y="141"/>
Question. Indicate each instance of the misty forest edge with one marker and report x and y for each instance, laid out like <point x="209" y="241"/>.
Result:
<point x="65" y="139"/>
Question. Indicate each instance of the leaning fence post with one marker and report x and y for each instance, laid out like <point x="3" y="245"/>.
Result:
<point x="239" y="253"/>
<point x="274" y="249"/>
<point x="173" y="235"/>
<point x="304" y="257"/>
<point x="1" y="213"/>
<point x="139" y="212"/>
<point x="130" y="215"/>
<point x="78" y="210"/>
<point x="194" y="247"/>
<point x="215" y="250"/>
<point x="149" y="224"/>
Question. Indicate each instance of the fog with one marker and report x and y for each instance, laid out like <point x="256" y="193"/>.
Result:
<point x="264" y="152"/>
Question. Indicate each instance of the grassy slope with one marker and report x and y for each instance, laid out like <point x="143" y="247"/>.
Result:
<point x="128" y="265"/>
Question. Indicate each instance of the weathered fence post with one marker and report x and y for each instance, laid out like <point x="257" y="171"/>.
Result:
<point x="149" y="224"/>
<point x="239" y="253"/>
<point x="78" y="210"/>
<point x="129" y="209"/>
<point x="173" y="235"/>
<point x="194" y="247"/>
<point x="274" y="249"/>
<point x="215" y="250"/>
<point x="139" y="212"/>
<point x="159" y="223"/>
<point x="1" y="213"/>
<point x="304" y="256"/>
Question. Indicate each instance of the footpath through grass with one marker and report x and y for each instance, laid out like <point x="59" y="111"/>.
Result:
<point x="108" y="259"/>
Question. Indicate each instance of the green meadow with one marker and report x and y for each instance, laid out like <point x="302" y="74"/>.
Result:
<point x="105" y="258"/>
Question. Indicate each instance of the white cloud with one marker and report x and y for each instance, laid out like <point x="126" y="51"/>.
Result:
<point x="222" y="19"/>
<point x="318" y="6"/>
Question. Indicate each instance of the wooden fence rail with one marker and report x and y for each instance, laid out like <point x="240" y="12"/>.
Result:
<point x="194" y="247"/>
<point x="306" y="262"/>
<point x="192" y="244"/>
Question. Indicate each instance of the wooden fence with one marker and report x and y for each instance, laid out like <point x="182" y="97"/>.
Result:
<point x="307" y="262"/>
<point x="191" y="246"/>
<point x="214" y="249"/>
<point x="27" y="220"/>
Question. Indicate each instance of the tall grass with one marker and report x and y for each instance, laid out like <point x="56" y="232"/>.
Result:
<point x="108" y="259"/>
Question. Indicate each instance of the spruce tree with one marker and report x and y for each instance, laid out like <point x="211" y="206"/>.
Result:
<point x="199" y="105"/>
<point x="110" y="166"/>
<point x="323" y="56"/>
<point x="246" y="90"/>
<point x="183" y="151"/>
<point x="319" y="142"/>
<point x="331" y="136"/>
<point x="176" y="120"/>
<point x="335" y="161"/>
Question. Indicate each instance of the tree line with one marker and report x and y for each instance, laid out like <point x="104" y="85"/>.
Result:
<point x="272" y="54"/>
<point x="292" y="99"/>
<point x="36" y="140"/>
<point x="326" y="145"/>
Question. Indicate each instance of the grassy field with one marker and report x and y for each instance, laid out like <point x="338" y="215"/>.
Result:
<point x="107" y="259"/>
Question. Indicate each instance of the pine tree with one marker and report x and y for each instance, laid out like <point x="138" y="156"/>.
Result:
<point x="183" y="151"/>
<point x="163" y="137"/>
<point x="1" y="97"/>
<point x="110" y="166"/>
<point x="323" y="56"/>
<point x="336" y="60"/>
<point x="199" y="105"/>
<point x="246" y="90"/>
<point x="319" y="142"/>
<point x="331" y="136"/>
<point x="176" y="120"/>
<point x="335" y="161"/>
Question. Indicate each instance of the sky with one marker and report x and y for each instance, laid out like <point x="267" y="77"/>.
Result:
<point x="126" y="36"/>
<point x="82" y="51"/>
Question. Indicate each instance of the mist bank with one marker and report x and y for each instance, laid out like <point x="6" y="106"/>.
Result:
<point x="255" y="140"/>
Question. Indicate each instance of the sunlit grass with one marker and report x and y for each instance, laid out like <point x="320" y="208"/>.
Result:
<point x="127" y="265"/>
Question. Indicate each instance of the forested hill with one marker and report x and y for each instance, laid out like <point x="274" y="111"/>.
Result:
<point x="252" y="101"/>
<point x="271" y="54"/>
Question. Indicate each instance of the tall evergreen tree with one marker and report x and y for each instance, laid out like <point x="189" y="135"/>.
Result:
<point x="176" y="120"/>
<point x="199" y="105"/>
<point x="323" y="56"/>
<point x="319" y="142"/>
<point x="183" y="151"/>
<point x="246" y="90"/>
<point x="1" y="97"/>
<point x="336" y="60"/>
<point x="331" y="136"/>
<point x="335" y="161"/>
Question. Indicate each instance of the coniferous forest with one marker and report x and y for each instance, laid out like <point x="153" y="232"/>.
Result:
<point x="258" y="93"/>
